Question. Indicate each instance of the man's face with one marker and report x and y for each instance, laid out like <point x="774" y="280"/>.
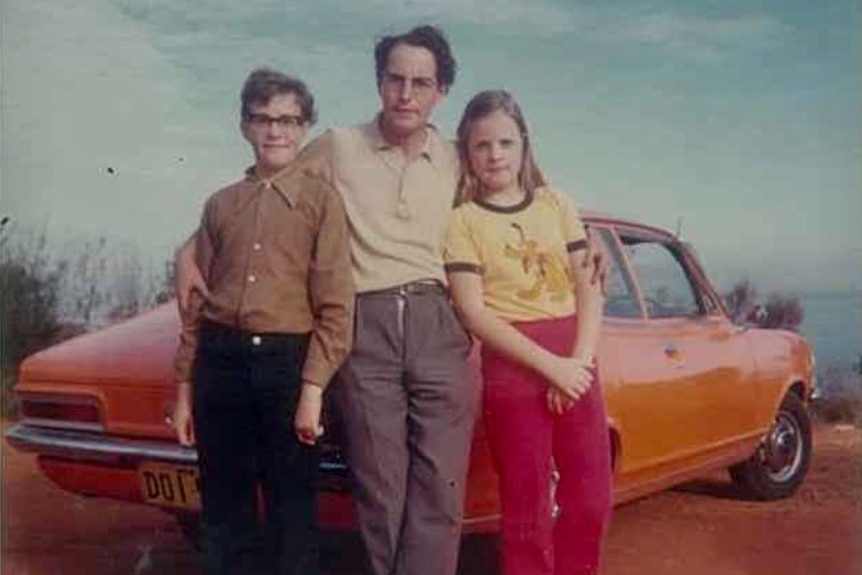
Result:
<point x="275" y="131"/>
<point x="409" y="90"/>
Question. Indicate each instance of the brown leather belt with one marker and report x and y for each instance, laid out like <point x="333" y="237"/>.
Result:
<point x="418" y="287"/>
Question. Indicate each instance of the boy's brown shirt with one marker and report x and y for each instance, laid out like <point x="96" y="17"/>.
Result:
<point x="275" y="256"/>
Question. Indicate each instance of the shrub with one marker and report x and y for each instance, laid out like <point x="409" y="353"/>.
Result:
<point x="779" y="312"/>
<point x="45" y="298"/>
<point x="741" y="300"/>
<point x="841" y="409"/>
<point x="782" y="312"/>
<point x="29" y="299"/>
<point x="840" y="398"/>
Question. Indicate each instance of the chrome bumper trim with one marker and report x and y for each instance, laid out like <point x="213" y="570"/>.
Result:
<point x="84" y="446"/>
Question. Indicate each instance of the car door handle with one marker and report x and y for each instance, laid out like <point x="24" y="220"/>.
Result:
<point x="671" y="351"/>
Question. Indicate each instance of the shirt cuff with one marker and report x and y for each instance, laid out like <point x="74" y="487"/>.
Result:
<point x="316" y="372"/>
<point x="183" y="370"/>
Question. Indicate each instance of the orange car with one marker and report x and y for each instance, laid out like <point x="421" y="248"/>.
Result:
<point x="687" y="390"/>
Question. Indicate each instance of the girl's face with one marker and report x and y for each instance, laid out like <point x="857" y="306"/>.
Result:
<point x="495" y="149"/>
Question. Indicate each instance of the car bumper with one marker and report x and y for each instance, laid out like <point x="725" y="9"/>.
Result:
<point x="95" y="447"/>
<point x="92" y="447"/>
<point x="97" y="465"/>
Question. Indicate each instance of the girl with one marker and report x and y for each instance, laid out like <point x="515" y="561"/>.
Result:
<point x="515" y="258"/>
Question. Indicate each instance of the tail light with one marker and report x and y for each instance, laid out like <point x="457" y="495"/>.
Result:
<point x="67" y="412"/>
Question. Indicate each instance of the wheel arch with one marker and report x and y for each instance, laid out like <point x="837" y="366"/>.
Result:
<point x="798" y="387"/>
<point x="616" y="447"/>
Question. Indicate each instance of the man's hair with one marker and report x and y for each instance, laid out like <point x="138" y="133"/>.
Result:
<point x="429" y="37"/>
<point x="481" y="106"/>
<point x="265" y="83"/>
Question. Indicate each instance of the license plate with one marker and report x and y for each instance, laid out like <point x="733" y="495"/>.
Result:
<point x="170" y="485"/>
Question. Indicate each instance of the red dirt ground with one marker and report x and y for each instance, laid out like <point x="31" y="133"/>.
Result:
<point x="700" y="528"/>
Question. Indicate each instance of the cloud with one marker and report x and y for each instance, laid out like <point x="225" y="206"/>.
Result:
<point x="685" y="35"/>
<point x="119" y="123"/>
<point x="691" y="36"/>
<point x="230" y="34"/>
<point x="219" y="41"/>
<point x="553" y="17"/>
<point x="100" y="131"/>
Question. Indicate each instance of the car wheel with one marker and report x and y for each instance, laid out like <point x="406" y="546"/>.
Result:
<point x="190" y="527"/>
<point x="778" y="467"/>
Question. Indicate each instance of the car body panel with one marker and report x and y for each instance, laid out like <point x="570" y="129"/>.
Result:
<point x="684" y="395"/>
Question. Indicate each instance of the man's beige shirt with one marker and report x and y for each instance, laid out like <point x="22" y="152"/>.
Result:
<point x="397" y="209"/>
<point x="274" y="254"/>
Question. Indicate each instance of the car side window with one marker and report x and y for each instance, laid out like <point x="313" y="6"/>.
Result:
<point x="620" y="298"/>
<point x="666" y="287"/>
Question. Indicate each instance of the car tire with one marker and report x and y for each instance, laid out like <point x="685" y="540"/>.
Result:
<point x="778" y="467"/>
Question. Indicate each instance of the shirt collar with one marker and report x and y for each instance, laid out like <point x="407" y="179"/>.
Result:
<point x="280" y="182"/>
<point x="378" y="142"/>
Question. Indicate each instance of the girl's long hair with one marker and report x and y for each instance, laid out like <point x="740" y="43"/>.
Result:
<point x="482" y="105"/>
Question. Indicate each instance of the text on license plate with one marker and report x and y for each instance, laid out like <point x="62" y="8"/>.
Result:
<point x="170" y="485"/>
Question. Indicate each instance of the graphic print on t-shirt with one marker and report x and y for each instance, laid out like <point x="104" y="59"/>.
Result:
<point x="547" y="272"/>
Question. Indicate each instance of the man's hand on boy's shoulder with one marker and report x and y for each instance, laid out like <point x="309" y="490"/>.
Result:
<point x="187" y="277"/>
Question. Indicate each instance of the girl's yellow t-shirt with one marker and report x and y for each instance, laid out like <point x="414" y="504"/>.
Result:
<point x="521" y="252"/>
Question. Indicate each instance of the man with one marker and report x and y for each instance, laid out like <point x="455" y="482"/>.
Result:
<point x="404" y="394"/>
<point x="255" y="356"/>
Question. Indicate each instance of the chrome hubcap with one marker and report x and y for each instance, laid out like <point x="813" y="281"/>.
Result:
<point x="781" y="452"/>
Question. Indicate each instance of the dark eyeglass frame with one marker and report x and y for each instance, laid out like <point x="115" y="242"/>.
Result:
<point x="419" y="85"/>
<point x="265" y="121"/>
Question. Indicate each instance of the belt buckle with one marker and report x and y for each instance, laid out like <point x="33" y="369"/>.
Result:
<point x="415" y="287"/>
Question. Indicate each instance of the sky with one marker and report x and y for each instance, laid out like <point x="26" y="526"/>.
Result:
<point x="738" y="121"/>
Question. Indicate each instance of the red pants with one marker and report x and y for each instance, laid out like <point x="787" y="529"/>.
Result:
<point x="527" y="441"/>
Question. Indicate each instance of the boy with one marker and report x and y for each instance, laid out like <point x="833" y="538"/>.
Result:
<point x="257" y="353"/>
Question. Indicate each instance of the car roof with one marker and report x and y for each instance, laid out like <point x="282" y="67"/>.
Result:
<point x="596" y="217"/>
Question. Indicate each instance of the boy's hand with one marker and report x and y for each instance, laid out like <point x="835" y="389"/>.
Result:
<point x="181" y="419"/>
<point x="307" y="420"/>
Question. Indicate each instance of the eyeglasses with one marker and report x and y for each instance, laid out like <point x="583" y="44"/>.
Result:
<point x="421" y="86"/>
<point x="262" y="121"/>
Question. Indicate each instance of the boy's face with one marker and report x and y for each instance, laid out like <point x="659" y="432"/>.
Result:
<point x="275" y="131"/>
<point x="408" y="89"/>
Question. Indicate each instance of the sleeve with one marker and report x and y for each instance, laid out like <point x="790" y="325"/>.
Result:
<point x="332" y="292"/>
<point x="574" y="233"/>
<point x="317" y="158"/>
<point x="188" y="338"/>
<point x="460" y="252"/>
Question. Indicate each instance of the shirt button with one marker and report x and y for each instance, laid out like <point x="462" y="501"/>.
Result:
<point x="255" y="340"/>
<point x="256" y="246"/>
<point x="252" y="279"/>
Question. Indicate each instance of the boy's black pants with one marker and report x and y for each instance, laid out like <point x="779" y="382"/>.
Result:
<point x="245" y="391"/>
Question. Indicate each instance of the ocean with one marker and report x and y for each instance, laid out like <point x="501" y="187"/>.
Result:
<point x="833" y="326"/>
